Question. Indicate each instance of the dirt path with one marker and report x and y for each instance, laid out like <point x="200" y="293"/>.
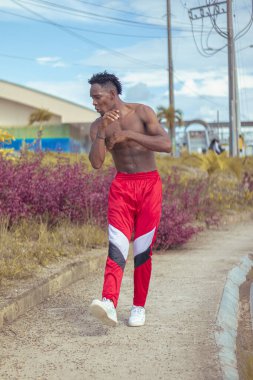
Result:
<point x="59" y="340"/>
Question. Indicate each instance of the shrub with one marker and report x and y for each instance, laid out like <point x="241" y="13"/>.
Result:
<point x="184" y="205"/>
<point x="52" y="193"/>
<point x="35" y="188"/>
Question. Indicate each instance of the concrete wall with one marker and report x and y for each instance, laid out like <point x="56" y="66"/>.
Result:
<point x="19" y="101"/>
<point x="13" y="113"/>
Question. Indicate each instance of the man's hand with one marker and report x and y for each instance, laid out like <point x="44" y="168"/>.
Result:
<point x="117" y="137"/>
<point x="109" y="117"/>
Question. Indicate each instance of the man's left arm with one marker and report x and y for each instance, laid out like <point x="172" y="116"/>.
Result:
<point x="155" y="138"/>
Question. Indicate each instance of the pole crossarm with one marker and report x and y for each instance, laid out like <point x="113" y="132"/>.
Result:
<point x="209" y="10"/>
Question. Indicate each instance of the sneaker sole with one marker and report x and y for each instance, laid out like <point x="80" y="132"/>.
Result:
<point x="136" y="324"/>
<point x="99" y="313"/>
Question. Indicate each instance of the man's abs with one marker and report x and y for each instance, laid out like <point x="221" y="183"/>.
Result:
<point x="133" y="160"/>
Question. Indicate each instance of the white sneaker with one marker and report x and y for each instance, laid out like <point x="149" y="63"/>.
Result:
<point x="137" y="316"/>
<point x="105" y="311"/>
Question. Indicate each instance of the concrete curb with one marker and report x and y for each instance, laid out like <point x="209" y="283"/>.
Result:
<point x="227" y="322"/>
<point x="251" y="304"/>
<point x="73" y="272"/>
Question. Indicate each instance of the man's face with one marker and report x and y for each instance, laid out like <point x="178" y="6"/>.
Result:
<point x="103" y="98"/>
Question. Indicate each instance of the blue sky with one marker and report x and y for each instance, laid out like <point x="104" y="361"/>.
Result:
<point x="55" y="46"/>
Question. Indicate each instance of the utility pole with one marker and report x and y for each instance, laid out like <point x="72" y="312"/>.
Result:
<point x="212" y="10"/>
<point x="233" y="136"/>
<point x="171" y="79"/>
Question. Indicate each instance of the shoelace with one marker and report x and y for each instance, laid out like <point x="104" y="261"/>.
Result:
<point x="138" y="310"/>
<point x="109" y="302"/>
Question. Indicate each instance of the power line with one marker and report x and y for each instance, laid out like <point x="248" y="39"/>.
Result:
<point x="73" y="11"/>
<point x="182" y="30"/>
<point x="81" y="29"/>
<point x="205" y="11"/>
<point x="17" y="57"/>
<point x="78" y="36"/>
<point x="79" y="12"/>
<point x="117" y="10"/>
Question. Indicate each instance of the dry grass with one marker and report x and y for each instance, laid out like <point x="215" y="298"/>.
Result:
<point x="28" y="245"/>
<point x="52" y="158"/>
<point x="206" y="164"/>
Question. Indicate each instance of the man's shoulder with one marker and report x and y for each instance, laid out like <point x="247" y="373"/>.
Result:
<point x="95" y="123"/>
<point x="140" y="108"/>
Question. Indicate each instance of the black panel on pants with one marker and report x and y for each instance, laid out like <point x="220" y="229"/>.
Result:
<point x="141" y="258"/>
<point x="116" y="255"/>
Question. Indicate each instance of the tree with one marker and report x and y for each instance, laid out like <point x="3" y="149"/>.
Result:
<point x="40" y="116"/>
<point x="170" y="115"/>
<point x="6" y="137"/>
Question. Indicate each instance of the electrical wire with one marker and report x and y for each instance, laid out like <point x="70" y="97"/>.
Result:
<point x="81" y="13"/>
<point x="184" y="5"/>
<point x="82" y="29"/>
<point x="80" y="37"/>
<point x="175" y="29"/>
<point x="116" y="10"/>
<point x="17" y="57"/>
<point x="206" y="51"/>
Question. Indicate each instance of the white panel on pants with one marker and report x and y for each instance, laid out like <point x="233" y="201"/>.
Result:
<point x="142" y="243"/>
<point x="120" y="240"/>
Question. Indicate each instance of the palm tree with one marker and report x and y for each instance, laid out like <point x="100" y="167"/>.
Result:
<point x="40" y="116"/>
<point x="170" y="115"/>
<point x="6" y="137"/>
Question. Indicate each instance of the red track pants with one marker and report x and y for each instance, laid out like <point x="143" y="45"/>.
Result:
<point x="134" y="206"/>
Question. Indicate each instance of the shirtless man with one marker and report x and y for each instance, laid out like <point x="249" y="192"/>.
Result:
<point x="132" y="133"/>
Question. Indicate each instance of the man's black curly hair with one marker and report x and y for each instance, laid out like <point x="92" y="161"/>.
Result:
<point x="105" y="78"/>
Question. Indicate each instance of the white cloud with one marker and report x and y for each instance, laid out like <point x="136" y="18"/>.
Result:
<point x="44" y="60"/>
<point x="156" y="78"/>
<point x="245" y="81"/>
<point x="52" y="61"/>
<point x="209" y="86"/>
<point x="207" y="113"/>
<point x="144" y="55"/>
<point x="138" y="93"/>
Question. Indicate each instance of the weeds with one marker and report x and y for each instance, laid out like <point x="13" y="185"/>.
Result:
<point x="28" y="245"/>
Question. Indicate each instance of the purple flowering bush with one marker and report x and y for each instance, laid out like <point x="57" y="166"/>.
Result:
<point x="247" y="181"/>
<point x="51" y="193"/>
<point x="184" y="206"/>
<point x="34" y="190"/>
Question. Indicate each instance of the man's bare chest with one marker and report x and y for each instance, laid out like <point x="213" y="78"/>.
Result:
<point x="131" y="122"/>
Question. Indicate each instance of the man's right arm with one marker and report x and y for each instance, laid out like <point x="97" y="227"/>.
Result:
<point x="98" y="134"/>
<point x="98" y="149"/>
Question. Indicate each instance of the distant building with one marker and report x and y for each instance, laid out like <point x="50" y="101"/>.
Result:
<point x="221" y="131"/>
<point x="67" y="130"/>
